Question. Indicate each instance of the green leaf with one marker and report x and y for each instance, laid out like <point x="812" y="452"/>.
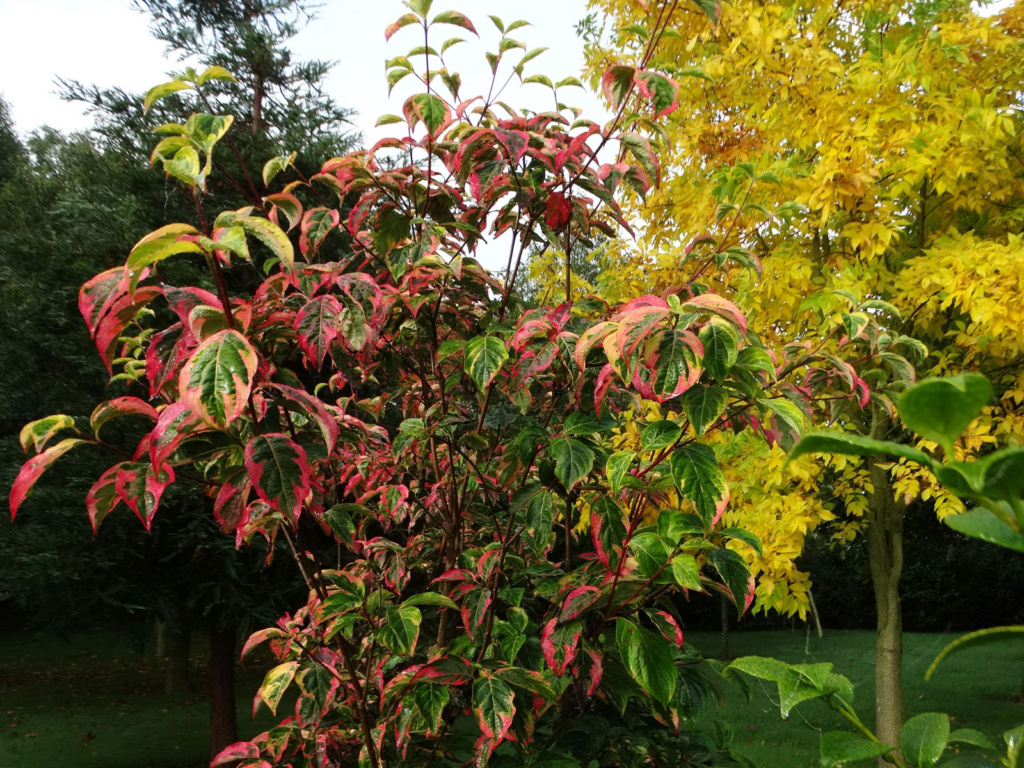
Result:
<point x="838" y="747"/>
<point x="279" y="472"/>
<point x="276" y="683"/>
<point x="455" y="18"/>
<point x="923" y="739"/>
<point x="698" y="478"/>
<point x="616" y="83"/>
<point x="972" y="639"/>
<point x="855" y="445"/>
<point x="185" y="166"/>
<point x="573" y="460"/>
<point x="485" y="355"/>
<point x="157" y="246"/>
<point x="527" y="680"/>
<point x="650" y="552"/>
<point x="745" y="536"/>
<point x="789" y="418"/>
<point x="649" y="659"/>
<point x="711" y="8"/>
<point x="216" y="381"/>
<point x="494" y="707"/>
<point x="763" y="668"/>
<point x="163" y="90"/>
<point x="703" y="406"/>
<point x="401" y="629"/>
<point x="1004" y="474"/>
<point x="972" y="737"/>
<point x="941" y="409"/>
<point x="734" y="572"/>
<point x="675" y="360"/>
<point x="214" y="73"/>
<point x="980" y="523"/>
<point x="756" y="359"/>
<point x="685" y="572"/>
<point x="641" y="150"/>
<point x="341" y="522"/>
<point x="617" y="467"/>
<point x="431" y="598"/>
<point x="36" y="434"/>
<point x="721" y="343"/>
<point x="271" y="235"/>
<point x="275" y="165"/>
<point x="431" y="701"/>
<point x="659" y="434"/>
<point x="426" y="108"/>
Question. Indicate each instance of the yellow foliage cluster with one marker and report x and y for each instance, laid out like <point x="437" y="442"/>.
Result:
<point x="892" y="130"/>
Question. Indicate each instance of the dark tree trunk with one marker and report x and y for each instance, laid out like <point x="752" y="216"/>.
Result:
<point x="223" y="716"/>
<point x="179" y="646"/>
<point x="885" y="558"/>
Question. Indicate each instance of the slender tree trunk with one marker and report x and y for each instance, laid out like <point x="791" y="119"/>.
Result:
<point x="179" y="646"/>
<point x="223" y="716"/>
<point x="724" y="607"/>
<point x="885" y="558"/>
<point x="160" y="641"/>
<point x="258" y="95"/>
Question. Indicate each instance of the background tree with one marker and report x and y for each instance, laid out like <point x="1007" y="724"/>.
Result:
<point x="868" y="158"/>
<point x="100" y="188"/>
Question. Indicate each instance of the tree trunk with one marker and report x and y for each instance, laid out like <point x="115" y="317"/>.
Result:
<point x="885" y="558"/>
<point x="160" y="639"/>
<point x="223" y="716"/>
<point x="176" y="674"/>
<point x="725" y="607"/>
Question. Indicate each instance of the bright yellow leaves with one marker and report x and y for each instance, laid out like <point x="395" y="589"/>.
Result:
<point x="892" y="131"/>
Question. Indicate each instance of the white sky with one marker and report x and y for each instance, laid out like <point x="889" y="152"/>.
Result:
<point x="107" y="43"/>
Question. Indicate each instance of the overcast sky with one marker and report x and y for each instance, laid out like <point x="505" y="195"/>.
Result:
<point x="107" y="43"/>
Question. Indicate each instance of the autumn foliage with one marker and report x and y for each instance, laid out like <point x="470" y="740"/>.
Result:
<point x="499" y="551"/>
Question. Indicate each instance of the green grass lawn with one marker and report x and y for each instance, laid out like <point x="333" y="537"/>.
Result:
<point x="96" y="703"/>
<point x="978" y="688"/>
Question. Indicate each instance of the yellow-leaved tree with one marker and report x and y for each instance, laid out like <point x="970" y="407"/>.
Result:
<point x="840" y="171"/>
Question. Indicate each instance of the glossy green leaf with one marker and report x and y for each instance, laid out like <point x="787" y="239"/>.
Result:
<point x="659" y="435"/>
<point x="698" y="478"/>
<point x="941" y="409"/>
<point x="923" y="739"/>
<point x="734" y="572"/>
<point x="485" y="355"/>
<point x="703" y="406"/>
<point x="649" y="659"/>
<point x="276" y="683"/>
<point x="279" y="472"/>
<point x="533" y="504"/>
<point x="430" y="701"/>
<point x="493" y="704"/>
<point x="215" y="73"/>
<point x="840" y="747"/>
<point x="685" y="572"/>
<point x="216" y="381"/>
<point x="721" y="343"/>
<point x="980" y="523"/>
<point x="616" y="468"/>
<point x="650" y="552"/>
<point x="431" y="598"/>
<point x="971" y="639"/>
<point x="855" y="445"/>
<point x="275" y="165"/>
<point x="401" y="629"/>
<point x="574" y="460"/>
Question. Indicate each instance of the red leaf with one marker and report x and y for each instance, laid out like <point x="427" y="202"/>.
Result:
<point x="314" y="407"/>
<point x="316" y="326"/>
<point x="175" y="423"/>
<point x="117" y="318"/>
<point x="559" y="643"/>
<point x="578" y="601"/>
<point x="98" y="295"/>
<point x="140" y="487"/>
<point x="279" y="471"/>
<point x="557" y="211"/>
<point x="240" y="750"/>
<point x="33" y="469"/>
<point x="120" y="406"/>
